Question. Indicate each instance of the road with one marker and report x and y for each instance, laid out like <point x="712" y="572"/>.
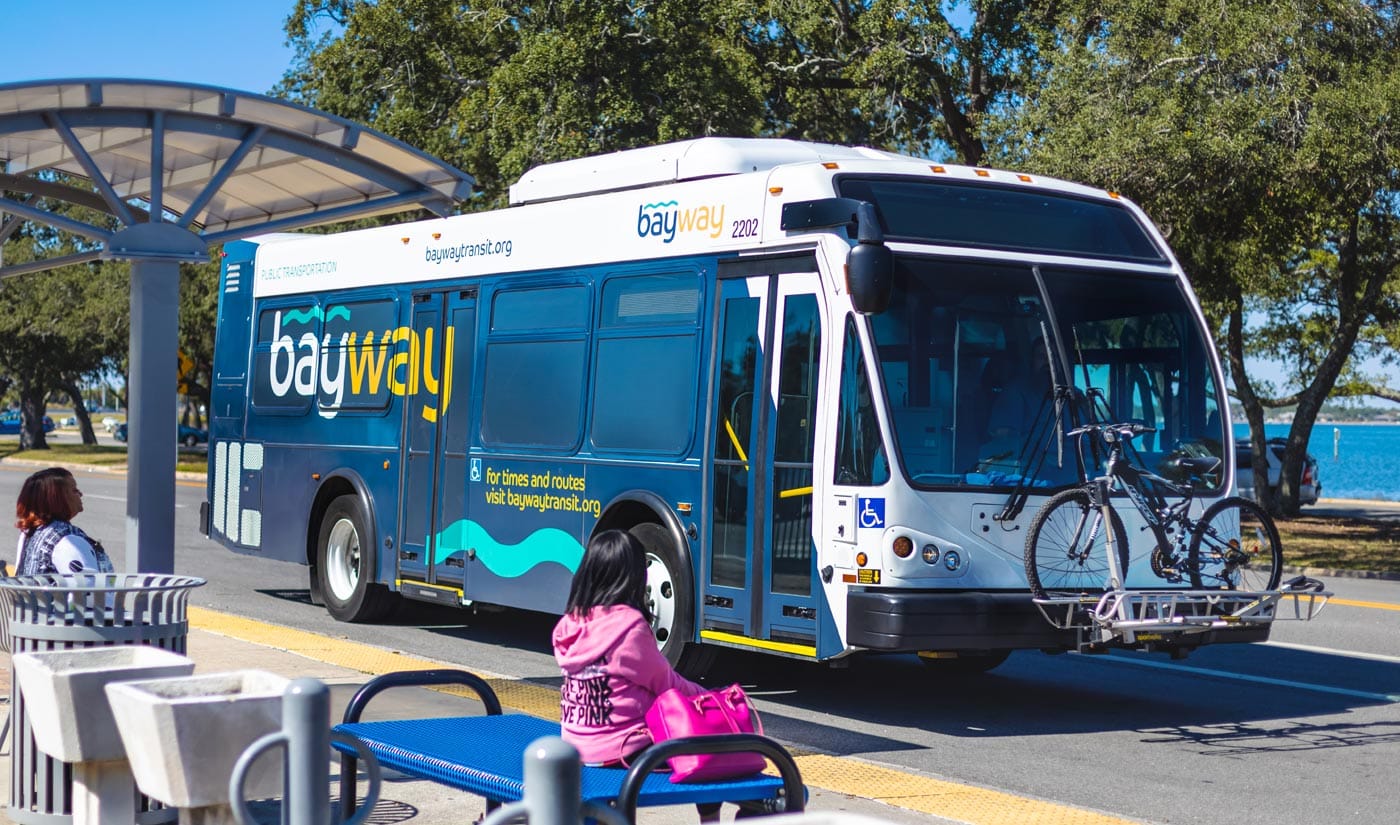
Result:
<point x="1303" y="729"/>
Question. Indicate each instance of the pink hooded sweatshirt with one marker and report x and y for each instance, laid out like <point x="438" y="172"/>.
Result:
<point x="613" y="671"/>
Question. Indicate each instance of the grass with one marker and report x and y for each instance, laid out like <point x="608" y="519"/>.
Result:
<point x="101" y="455"/>
<point x="1341" y="543"/>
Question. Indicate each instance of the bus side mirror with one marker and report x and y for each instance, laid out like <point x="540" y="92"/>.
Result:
<point x="869" y="265"/>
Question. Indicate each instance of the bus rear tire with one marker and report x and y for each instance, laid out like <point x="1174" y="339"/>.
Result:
<point x="345" y="565"/>
<point x="671" y="598"/>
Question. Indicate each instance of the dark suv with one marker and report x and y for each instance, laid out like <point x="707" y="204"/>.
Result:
<point x="1309" y="489"/>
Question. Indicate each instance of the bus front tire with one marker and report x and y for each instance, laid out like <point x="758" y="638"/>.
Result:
<point x="671" y="598"/>
<point x="965" y="664"/>
<point x="345" y="565"/>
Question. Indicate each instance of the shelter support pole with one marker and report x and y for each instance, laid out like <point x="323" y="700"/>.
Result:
<point x="151" y="416"/>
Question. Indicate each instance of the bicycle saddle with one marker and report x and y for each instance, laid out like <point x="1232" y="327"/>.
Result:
<point x="1194" y="467"/>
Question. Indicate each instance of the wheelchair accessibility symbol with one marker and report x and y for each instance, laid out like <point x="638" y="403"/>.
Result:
<point x="870" y="512"/>
<point x="476" y="469"/>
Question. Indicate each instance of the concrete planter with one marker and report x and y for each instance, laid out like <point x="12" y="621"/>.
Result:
<point x="67" y="706"/>
<point x="183" y="736"/>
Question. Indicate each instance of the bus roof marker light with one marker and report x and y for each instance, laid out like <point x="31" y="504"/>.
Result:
<point x="775" y="190"/>
<point x="939" y="170"/>
<point x="1114" y="195"/>
<point x="830" y="164"/>
<point x="1024" y="178"/>
<point x="437" y="236"/>
<point x="982" y="173"/>
<point x="405" y="240"/>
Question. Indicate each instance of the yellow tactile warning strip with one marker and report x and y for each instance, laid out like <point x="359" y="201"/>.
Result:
<point x="843" y="775"/>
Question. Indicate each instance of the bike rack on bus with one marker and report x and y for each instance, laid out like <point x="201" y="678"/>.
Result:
<point x="1133" y="617"/>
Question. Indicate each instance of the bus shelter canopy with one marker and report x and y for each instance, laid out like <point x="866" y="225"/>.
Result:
<point x="220" y="163"/>
<point x="172" y="169"/>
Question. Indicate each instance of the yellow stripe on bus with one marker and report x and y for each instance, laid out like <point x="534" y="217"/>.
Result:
<point x="762" y="644"/>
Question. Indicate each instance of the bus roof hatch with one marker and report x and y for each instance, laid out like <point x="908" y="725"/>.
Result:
<point x="671" y="163"/>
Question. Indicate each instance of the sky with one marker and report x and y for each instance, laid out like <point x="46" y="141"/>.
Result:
<point x="240" y="45"/>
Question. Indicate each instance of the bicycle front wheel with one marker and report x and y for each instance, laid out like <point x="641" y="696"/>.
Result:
<point x="1067" y="547"/>
<point x="1235" y="546"/>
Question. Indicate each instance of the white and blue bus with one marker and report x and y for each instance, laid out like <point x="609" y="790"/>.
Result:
<point x="784" y="366"/>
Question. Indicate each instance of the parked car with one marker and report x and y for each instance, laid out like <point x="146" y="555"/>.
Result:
<point x="10" y="424"/>
<point x="1310" y="487"/>
<point x="189" y="436"/>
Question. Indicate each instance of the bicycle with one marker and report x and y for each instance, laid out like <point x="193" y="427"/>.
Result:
<point x="1234" y="545"/>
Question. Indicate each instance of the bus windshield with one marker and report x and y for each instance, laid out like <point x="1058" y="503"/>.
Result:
<point x="964" y="353"/>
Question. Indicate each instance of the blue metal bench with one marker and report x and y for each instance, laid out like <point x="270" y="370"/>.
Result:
<point x="483" y="755"/>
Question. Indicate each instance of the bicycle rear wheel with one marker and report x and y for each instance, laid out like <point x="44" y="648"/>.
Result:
<point x="1235" y="546"/>
<point x="1067" y="547"/>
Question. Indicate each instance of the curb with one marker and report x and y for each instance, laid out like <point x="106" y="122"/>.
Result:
<point x="106" y="469"/>
<point x="1333" y="573"/>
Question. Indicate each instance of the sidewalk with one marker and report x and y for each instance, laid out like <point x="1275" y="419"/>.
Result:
<point x="403" y="799"/>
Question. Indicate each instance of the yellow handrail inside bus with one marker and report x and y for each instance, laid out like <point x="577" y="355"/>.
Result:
<point x="795" y="492"/>
<point x="734" y="439"/>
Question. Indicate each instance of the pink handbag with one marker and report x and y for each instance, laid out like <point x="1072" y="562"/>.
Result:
<point x="675" y="715"/>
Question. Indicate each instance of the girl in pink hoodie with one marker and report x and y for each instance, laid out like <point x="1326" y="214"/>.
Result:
<point x="605" y="647"/>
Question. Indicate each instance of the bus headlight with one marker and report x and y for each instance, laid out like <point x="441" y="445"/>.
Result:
<point x="952" y="560"/>
<point x="903" y="547"/>
<point x="930" y="554"/>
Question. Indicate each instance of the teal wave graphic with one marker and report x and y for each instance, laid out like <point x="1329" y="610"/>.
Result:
<point x="306" y="316"/>
<point x="660" y="205"/>
<point x="509" y="561"/>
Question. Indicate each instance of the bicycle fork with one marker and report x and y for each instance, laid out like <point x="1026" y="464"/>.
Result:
<point x="1098" y="498"/>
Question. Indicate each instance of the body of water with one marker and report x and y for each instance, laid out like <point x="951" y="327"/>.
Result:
<point x="1367" y="463"/>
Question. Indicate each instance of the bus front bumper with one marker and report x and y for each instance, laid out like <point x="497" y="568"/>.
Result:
<point x="913" y="620"/>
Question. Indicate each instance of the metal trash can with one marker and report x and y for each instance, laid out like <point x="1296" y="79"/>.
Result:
<point x="53" y="612"/>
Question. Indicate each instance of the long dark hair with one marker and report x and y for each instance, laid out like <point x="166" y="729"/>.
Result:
<point x="613" y="571"/>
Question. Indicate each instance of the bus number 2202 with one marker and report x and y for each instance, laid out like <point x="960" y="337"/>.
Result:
<point x="746" y="228"/>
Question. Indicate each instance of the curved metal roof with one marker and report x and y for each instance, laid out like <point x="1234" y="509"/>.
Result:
<point x="221" y="163"/>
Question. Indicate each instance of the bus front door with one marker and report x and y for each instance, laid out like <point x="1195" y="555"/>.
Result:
<point x="433" y="488"/>
<point x="758" y="581"/>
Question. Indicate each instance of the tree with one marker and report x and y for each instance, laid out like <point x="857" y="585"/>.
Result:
<point x="199" y="315"/>
<point x="61" y="325"/>
<point x="500" y="87"/>
<point x="1261" y="136"/>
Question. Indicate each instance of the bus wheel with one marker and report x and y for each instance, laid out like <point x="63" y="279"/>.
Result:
<point x="345" y="565"/>
<point x="965" y="664"/>
<point x="671" y="599"/>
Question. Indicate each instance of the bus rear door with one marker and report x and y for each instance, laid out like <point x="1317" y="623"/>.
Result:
<point x="433" y="488"/>
<point x="758" y="588"/>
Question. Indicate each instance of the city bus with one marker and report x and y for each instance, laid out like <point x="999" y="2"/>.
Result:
<point x="787" y="368"/>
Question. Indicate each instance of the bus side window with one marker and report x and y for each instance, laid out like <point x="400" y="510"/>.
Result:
<point x="860" y="454"/>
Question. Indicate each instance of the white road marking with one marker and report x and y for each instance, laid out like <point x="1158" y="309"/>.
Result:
<point x="1332" y="651"/>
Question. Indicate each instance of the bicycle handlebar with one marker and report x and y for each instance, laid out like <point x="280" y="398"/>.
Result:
<point x="1128" y="430"/>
